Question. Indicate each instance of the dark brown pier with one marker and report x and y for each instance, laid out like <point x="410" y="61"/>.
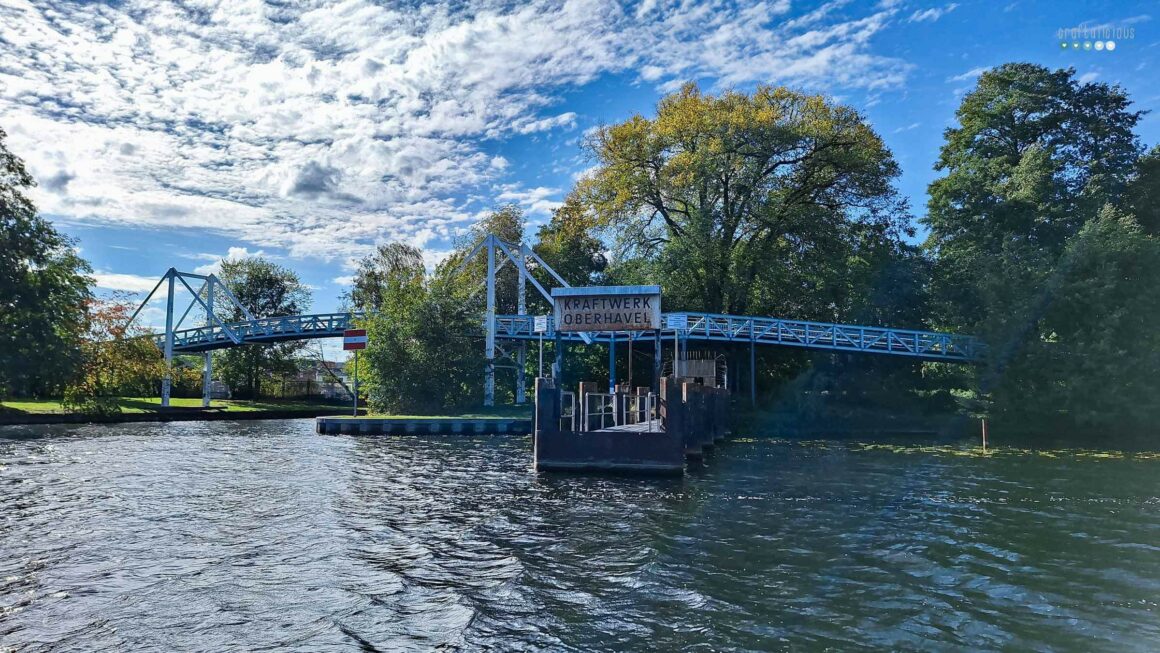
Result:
<point x="630" y="430"/>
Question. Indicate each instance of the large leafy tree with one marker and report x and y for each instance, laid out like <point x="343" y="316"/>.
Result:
<point x="1089" y="357"/>
<point x="1031" y="253"/>
<point x="421" y="355"/>
<point x="117" y="360"/>
<point x="44" y="288"/>
<point x="568" y="243"/>
<point x="1035" y="157"/>
<point x="1143" y="194"/>
<point x="266" y="290"/>
<point x="375" y="272"/>
<point x="747" y="203"/>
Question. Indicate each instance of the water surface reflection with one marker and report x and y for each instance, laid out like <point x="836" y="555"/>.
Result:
<point x="261" y="535"/>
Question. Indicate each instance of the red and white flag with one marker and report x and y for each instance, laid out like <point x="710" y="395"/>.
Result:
<point x="354" y="339"/>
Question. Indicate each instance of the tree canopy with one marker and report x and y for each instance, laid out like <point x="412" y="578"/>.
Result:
<point x="747" y="203"/>
<point x="44" y="289"/>
<point x="567" y="242"/>
<point x="1037" y="247"/>
<point x="266" y="290"/>
<point x="390" y="261"/>
<point x="420" y="355"/>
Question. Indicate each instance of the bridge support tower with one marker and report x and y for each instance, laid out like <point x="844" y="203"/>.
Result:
<point x="203" y="297"/>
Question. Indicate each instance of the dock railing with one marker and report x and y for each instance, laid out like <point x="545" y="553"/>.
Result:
<point x="567" y="411"/>
<point x="641" y="409"/>
<point x="600" y="406"/>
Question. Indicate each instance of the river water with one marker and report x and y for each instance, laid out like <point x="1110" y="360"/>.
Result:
<point x="247" y="536"/>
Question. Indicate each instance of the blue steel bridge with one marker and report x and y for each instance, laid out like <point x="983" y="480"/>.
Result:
<point x="927" y="345"/>
<point x="517" y="330"/>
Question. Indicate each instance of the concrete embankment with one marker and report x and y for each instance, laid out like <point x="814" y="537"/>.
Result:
<point x="421" y="426"/>
<point x="173" y="415"/>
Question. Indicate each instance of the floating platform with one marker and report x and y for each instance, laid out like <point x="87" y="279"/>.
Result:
<point x="610" y="450"/>
<point x="420" y="426"/>
<point x="649" y="434"/>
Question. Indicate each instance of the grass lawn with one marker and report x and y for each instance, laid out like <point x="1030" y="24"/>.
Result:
<point x="153" y="404"/>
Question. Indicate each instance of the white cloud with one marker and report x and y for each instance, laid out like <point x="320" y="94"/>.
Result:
<point x="932" y="14"/>
<point x="344" y="280"/>
<point x="326" y="128"/>
<point x="913" y="125"/>
<point x="586" y="172"/>
<point x="124" y="282"/>
<point x="563" y="120"/>
<point x="1088" y="77"/>
<point x="233" y="254"/>
<point x="539" y="200"/>
<point x="969" y="75"/>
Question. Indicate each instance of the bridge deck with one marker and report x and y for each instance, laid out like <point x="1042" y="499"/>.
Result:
<point x="926" y="345"/>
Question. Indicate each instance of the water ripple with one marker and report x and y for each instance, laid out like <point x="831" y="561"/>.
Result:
<point x="263" y="536"/>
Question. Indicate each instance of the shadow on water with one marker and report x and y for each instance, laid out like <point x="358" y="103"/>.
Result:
<point x="260" y="535"/>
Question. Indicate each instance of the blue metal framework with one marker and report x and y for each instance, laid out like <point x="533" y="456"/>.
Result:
<point x="261" y="331"/>
<point x="518" y="329"/>
<point x="927" y="345"/>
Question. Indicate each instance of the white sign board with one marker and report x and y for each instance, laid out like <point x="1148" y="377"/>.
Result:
<point x="540" y="323"/>
<point x="677" y="321"/>
<point x="607" y="308"/>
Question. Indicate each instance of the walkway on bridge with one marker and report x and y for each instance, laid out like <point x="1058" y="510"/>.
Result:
<point x="681" y="327"/>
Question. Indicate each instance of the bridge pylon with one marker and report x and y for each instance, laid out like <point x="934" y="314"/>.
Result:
<point x="499" y="253"/>
<point x="210" y="287"/>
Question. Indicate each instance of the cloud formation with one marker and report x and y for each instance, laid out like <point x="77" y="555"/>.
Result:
<point x="324" y="127"/>
<point x="123" y="282"/>
<point x="233" y="254"/>
<point x="932" y="14"/>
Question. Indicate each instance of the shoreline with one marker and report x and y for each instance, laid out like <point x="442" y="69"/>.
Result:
<point x="176" y="415"/>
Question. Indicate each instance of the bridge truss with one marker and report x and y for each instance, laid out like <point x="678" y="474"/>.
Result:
<point x="927" y="345"/>
<point x="506" y="336"/>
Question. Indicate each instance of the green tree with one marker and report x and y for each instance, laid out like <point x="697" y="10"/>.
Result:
<point x="117" y="360"/>
<point x="1023" y="230"/>
<point x="44" y="288"/>
<point x="1143" y="195"/>
<point x="376" y="270"/>
<point x="1035" y="157"/>
<point x="746" y="203"/>
<point x="507" y="223"/>
<point x="421" y="355"/>
<point x="567" y="243"/>
<point x="266" y="290"/>
<point x="1089" y="356"/>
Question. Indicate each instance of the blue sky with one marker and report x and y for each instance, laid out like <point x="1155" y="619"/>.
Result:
<point x="181" y="134"/>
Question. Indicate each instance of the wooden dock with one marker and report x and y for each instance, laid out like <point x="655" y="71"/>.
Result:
<point x="630" y="431"/>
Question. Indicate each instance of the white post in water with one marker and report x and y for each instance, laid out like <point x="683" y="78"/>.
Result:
<point x="355" y="393"/>
<point x="984" y="421"/>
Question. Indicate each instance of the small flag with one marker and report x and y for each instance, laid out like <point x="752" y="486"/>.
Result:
<point x="354" y="339"/>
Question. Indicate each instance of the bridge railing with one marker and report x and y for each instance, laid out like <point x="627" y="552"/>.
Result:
<point x="262" y="330"/>
<point x="793" y="333"/>
<point x="930" y="345"/>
